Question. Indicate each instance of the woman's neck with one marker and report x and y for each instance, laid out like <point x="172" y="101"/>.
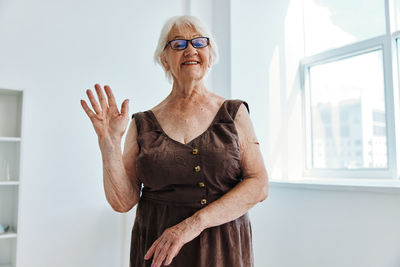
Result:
<point x="190" y="91"/>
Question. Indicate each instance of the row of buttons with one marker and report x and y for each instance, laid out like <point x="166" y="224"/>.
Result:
<point x="197" y="168"/>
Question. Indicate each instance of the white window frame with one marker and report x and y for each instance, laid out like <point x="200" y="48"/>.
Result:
<point x="387" y="43"/>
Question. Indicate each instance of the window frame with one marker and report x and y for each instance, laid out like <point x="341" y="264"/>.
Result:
<point x="387" y="44"/>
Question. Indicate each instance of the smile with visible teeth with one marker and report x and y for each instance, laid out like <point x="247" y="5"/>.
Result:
<point x="190" y="63"/>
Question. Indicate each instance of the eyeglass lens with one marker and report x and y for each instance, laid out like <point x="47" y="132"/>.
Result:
<point x="180" y="44"/>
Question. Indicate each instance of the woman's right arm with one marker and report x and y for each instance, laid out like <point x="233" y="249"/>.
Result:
<point x="121" y="185"/>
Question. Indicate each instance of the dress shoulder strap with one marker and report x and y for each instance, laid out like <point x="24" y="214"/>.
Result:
<point x="138" y="121"/>
<point x="144" y="123"/>
<point x="233" y="106"/>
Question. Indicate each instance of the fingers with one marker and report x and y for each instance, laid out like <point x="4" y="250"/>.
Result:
<point x="173" y="252"/>
<point x="100" y="95"/>
<point x="88" y="111"/>
<point x="151" y="250"/>
<point x="164" y="251"/>
<point x="125" y="107"/>
<point x="160" y="253"/>
<point x="93" y="101"/>
<point x="110" y="96"/>
<point x="112" y="104"/>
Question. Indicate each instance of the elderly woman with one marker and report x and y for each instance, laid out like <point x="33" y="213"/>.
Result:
<point x="192" y="163"/>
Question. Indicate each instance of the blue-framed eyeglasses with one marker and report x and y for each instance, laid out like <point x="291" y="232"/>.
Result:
<point x="180" y="44"/>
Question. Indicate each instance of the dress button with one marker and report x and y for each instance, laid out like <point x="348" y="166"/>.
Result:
<point x="195" y="151"/>
<point x="203" y="201"/>
<point x="201" y="184"/>
<point x="197" y="168"/>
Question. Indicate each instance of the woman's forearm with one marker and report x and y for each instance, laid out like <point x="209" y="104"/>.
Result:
<point x="233" y="204"/>
<point x="121" y="193"/>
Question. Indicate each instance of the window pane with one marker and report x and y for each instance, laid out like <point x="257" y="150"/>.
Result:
<point x="348" y="113"/>
<point x="333" y="23"/>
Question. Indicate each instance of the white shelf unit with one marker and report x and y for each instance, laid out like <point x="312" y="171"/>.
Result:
<point x="9" y="183"/>
<point x="8" y="234"/>
<point x="10" y="147"/>
<point x="8" y="252"/>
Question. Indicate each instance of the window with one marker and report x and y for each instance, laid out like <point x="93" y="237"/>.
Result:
<point x="348" y="88"/>
<point x="335" y="23"/>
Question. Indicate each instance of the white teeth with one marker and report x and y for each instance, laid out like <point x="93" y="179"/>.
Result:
<point x="190" y="63"/>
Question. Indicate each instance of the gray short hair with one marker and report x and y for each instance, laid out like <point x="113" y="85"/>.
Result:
<point x="181" y="21"/>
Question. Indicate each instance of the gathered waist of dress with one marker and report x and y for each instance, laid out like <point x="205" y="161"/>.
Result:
<point x="166" y="199"/>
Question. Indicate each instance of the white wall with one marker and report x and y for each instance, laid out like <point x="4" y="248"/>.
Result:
<point x="297" y="226"/>
<point x="54" y="50"/>
<point x="313" y="228"/>
<point x="221" y="13"/>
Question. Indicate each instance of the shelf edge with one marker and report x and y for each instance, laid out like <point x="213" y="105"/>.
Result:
<point x="8" y="235"/>
<point x="9" y="183"/>
<point x="9" y="139"/>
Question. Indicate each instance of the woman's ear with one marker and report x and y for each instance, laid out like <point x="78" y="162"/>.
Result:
<point x="209" y="61"/>
<point x="164" y="62"/>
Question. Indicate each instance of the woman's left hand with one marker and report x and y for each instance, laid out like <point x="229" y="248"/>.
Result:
<point x="171" y="241"/>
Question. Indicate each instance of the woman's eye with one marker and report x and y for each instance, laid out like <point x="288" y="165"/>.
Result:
<point x="178" y="45"/>
<point x="199" y="43"/>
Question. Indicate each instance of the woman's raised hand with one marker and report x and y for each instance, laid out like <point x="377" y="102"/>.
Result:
<point x="107" y="121"/>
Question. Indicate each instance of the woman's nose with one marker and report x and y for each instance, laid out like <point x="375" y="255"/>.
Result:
<point x="190" y="50"/>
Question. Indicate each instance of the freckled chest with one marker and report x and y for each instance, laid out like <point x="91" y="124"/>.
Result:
<point x="185" y="126"/>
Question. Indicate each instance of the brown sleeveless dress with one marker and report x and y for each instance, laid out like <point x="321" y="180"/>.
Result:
<point x="179" y="179"/>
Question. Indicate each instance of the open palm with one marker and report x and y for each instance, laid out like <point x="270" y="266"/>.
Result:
<point x="107" y="121"/>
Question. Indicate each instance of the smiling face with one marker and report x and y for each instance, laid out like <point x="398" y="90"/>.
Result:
<point x="190" y="63"/>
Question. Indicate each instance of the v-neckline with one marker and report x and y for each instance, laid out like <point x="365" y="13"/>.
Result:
<point x="197" y="137"/>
